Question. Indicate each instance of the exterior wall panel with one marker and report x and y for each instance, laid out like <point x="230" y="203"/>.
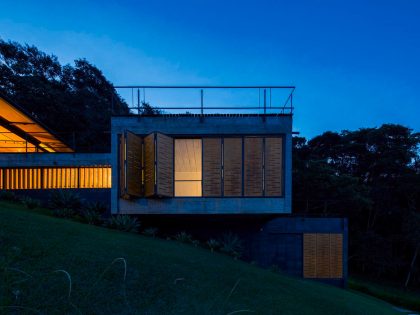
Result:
<point x="164" y="166"/>
<point x="212" y="167"/>
<point x="273" y="166"/>
<point x="232" y="167"/>
<point x="253" y="166"/>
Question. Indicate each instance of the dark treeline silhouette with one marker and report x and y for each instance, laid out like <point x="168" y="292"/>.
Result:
<point x="69" y="99"/>
<point x="371" y="176"/>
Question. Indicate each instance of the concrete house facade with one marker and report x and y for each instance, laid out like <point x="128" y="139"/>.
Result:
<point x="227" y="169"/>
<point x="198" y="164"/>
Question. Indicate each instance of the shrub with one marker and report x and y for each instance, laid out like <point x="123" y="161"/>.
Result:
<point x="30" y="203"/>
<point x="213" y="244"/>
<point x="8" y="196"/>
<point x="64" y="213"/>
<point x="123" y="222"/>
<point x="151" y="231"/>
<point x="65" y="199"/>
<point x="98" y="207"/>
<point x="183" y="237"/>
<point x="91" y="216"/>
<point x="231" y="244"/>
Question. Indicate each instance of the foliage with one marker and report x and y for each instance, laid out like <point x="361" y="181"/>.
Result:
<point x="150" y="231"/>
<point x="8" y="196"/>
<point x="30" y="203"/>
<point x="123" y="222"/>
<point x="66" y="213"/>
<point x="231" y="244"/>
<point x="147" y="110"/>
<point x="172" y="278"/>
<point x="65" y="199"/>
<point x="213" y="244"/>
<point x="67" y="98"/>
<point x="183" y="237"/>
<point x="98" y="207"/>
<point x="372" y="177"/>
<point x="91" y="216"/>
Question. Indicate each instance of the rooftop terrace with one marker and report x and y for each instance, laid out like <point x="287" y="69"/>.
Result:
<point x="208" y="100"/>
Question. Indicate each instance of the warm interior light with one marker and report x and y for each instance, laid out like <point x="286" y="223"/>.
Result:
<point x="188" y="167"/>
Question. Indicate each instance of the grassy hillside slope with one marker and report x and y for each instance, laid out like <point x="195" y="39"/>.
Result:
<point x="40" y="254"/>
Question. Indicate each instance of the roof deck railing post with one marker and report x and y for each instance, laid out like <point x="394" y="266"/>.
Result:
<point x="202" y="102"/>
<point x="138" y="101"/>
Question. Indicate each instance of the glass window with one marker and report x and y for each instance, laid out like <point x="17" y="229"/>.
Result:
<point x="188" y="168"/>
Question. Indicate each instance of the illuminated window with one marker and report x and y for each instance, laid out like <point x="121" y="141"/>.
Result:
<point x="188" y="168"/>
<point x="56" y="177"/>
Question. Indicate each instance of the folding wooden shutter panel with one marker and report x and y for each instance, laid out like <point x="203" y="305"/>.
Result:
<point x="273" y="166"/>
<point x="309" y="255"/>
<point x="323" y="255"/>
<point x="232" y="167"/>
<point x="336" y="256"/>
<point x="133" y="162"/>
<point x="164" y="166"/>
<point x="253" y="166"/>
<point x="122" y="165"/>
<point x="212" y="167"/>
<point x="149" y="165"/>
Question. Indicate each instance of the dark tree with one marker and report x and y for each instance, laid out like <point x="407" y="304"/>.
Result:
<point x="73" y="101"/>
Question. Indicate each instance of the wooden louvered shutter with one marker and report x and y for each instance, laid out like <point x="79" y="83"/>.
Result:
<point x="273" y="166"/>
<point x="309" y="255"/>
<point x="133" y="164"/>
<point x="336" y="256"/>
<point x="253" y="167"/>
<point x="149" y="165"/>
<point x="212" y="167"/>
<point x="232" y="167"/>
<point x="158" y="165"/>
<point x="122" y="165"/>
<point x="164" y="166"/>
<point x="323" y="255"/>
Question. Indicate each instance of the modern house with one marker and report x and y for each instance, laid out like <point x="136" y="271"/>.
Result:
<point x="227" y="162"/>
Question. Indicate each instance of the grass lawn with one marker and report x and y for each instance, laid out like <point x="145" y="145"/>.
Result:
<point x="397" y="296"/>
<point x="39" y="255"/>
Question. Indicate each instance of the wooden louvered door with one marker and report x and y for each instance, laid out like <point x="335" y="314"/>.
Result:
<point x="336" y="256"/>
<point x="232" y="167"/>
<point x="149" y="165"/>
<point x="309" y="255"/>
<point x="164" y="165"/>
<point x="212" y="167"/>
<point x="158" y="165"/>
<point x="122" y="160"/>
<point x="323" y="255"/>
<point x="273" y="166"/>
<point x="133" y="164"/>
<point x="253" y="166"/>
<point x="130" y="165"/>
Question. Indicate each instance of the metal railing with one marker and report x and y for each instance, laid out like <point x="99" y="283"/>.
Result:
<point x="203" y="100"/>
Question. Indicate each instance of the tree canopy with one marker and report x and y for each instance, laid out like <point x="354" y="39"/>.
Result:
<point x="371" y="176"/>
<point x="72" y="100"/>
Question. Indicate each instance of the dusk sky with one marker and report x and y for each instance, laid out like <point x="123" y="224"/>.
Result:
<point x="354" y="63"/>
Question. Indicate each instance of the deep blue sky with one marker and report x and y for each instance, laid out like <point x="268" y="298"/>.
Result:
<point x="354" y="63"/>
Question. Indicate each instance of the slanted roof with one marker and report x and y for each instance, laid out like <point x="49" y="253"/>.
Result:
<point x="21" y="132"/>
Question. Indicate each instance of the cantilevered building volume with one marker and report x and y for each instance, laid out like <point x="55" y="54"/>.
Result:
<point x="218" y="164"/>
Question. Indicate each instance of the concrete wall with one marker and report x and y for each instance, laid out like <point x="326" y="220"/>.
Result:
<point x="54" y="159"/>
<point x="280" y="242"/>
<point x="228" y="125"/>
